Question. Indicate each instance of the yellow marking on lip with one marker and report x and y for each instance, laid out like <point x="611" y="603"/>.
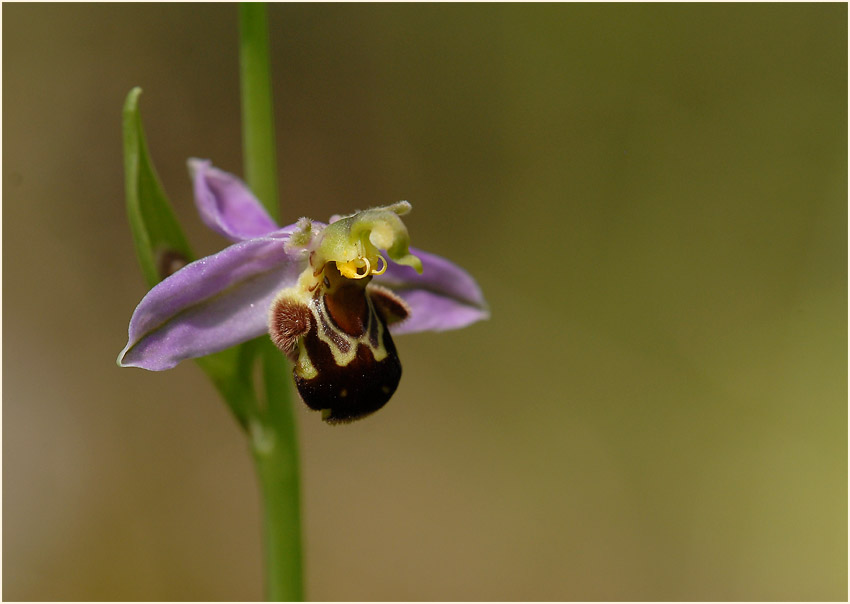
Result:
<point x="304" y="367"/>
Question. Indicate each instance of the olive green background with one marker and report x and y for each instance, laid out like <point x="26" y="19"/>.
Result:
<point x="653" y="199"/>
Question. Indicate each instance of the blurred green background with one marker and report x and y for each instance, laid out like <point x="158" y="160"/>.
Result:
<point x="653" y="199"/>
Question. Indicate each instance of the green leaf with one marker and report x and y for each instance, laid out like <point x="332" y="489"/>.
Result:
<point x="157" y="235"/>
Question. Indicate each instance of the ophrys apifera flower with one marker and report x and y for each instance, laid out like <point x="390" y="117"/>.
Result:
<point x="329" y="295"/>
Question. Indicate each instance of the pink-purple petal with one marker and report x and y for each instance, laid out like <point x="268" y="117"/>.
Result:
<point x="443" y="297"/>
<point x="436" y="312"/>
<point x="211" y="304"/>
<point x="226" y="205"/>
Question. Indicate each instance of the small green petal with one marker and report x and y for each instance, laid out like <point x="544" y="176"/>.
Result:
<point x="408" y="260"/>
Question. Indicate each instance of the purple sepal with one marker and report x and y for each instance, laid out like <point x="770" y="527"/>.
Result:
<point x="443" y="297"/>
<point x="226" y="205"/>
<point x="211" y="304"/>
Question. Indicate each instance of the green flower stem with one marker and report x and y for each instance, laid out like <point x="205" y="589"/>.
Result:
<point x="277" y="468"/>
<point x="258" y="140"/>
<point x="272" y="424"/>
<point x="273" y="444"/>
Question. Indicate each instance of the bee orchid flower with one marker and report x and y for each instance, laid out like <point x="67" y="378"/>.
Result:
<point x="329" y="295"/>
